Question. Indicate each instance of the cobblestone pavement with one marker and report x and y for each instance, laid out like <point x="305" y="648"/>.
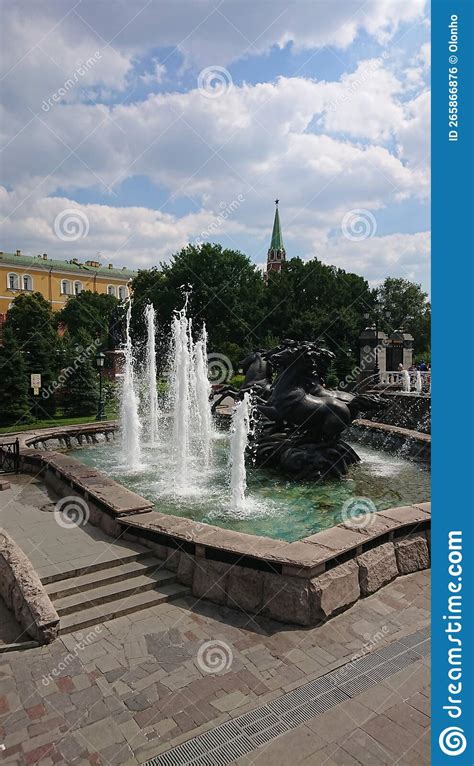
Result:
<point x="126" y="690"/>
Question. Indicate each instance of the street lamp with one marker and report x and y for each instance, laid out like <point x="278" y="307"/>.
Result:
<point x="376" y="322"/>
<point x="376" y="316"/>
<point x="99" y="360"/>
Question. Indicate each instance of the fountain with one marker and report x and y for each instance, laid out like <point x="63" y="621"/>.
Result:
<point x="406" y="385"/>
<point x="180" y="396"/>
<point x="131" y="426"/>
<point x="237" y="452"/>
<point x="203" y="395"/>
<point x="418" y="382"/>
<point x="152" y="393"/>
<point x="269" y="476"/>
<point x="190" y="398"/>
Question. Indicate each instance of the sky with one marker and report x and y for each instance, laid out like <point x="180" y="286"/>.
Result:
<point x="132" y="127"/>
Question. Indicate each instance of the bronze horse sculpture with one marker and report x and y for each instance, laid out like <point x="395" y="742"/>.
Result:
<point x="301" y="423"/>
<point x="258" y="379"/>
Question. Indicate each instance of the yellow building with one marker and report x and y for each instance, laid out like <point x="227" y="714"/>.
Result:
<point x="57" y="280"/>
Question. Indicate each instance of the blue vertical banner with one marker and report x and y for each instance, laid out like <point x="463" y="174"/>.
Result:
<point x="452" y="390"/>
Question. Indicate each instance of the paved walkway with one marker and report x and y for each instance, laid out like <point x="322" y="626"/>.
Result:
<point x="131" y="688"/>
<point x="27" y="514"/>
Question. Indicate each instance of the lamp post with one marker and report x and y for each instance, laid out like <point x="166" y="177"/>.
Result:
<point x="376" y="316"/>
<point x="99" y="360"/>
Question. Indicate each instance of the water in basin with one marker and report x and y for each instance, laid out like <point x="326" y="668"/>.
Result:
<point x="275" y="507"/>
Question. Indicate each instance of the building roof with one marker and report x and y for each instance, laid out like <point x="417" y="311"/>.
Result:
<point x="77" y="268"/>
<point x="277" y="238"/>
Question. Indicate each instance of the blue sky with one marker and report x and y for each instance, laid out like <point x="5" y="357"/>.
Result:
<point x="150" y="120"/>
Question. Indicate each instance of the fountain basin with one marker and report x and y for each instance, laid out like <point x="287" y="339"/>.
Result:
<point x="275" y="507"/>
<point x="301" y="582"/>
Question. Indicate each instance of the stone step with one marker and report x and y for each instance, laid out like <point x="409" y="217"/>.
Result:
<point x="114" y="591"/>
<point x="113" y="609"/>
<point x="115" y="556"/>
<point x="134" y="568"/>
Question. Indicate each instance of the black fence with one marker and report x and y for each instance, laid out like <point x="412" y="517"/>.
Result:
<point x="10" y="457"/>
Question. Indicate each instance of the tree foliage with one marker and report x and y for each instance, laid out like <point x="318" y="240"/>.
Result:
<point x="90" y="312"/>
<point x="30" y="319"/>
<point x="14" y="406"/>
<point x="306" y="300"/>
<point x="81" y="387"/>
<point x="405" y="305"/>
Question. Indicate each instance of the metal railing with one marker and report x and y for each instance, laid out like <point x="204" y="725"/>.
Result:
<point x="10" y="457"/>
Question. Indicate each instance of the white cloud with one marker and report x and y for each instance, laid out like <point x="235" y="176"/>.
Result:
<point x="325" y="146"/>
<point x="401" y="255"/>
<point x="156" y="76"/>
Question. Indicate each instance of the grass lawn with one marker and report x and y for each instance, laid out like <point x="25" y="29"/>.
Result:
<point x="59" y="421"/>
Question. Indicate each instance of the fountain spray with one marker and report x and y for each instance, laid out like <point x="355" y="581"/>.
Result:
<point x="131" y="426"/>
<point x="419" y="383"/>
<point x="152" y="394"/>
<point x="406" y="385"/>
<point x="203" y="393"/>
<point x="190" y="392"/>
<point x="238" y="445"/>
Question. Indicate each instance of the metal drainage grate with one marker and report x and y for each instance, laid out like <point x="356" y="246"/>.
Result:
<point x="413" y="639"/>
<point x="231" y="740"/>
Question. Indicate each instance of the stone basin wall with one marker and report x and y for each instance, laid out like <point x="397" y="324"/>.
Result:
<point x="410" y="444"/>
<point x="24" y="594"/>
<point x="303" y="582"/>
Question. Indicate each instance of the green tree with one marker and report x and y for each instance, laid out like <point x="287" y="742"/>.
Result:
<point x="88" y="311"/>
<point x="405" y="306"/>
<point x="227" y="292"/>
<point x="13" y="382"/>
<point x="81" y="385"/>
<point x="30" y="318"/>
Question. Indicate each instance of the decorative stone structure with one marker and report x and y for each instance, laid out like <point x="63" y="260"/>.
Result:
<point x="23" y="593"/>
<point x="369" y="340"/>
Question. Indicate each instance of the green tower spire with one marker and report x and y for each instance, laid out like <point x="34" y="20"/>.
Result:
<point x="277" y="238"/>
<point x="276" y="253"/>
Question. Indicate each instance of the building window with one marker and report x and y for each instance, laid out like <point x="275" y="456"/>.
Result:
<point x="122" y="293"/>
<point x="13" y="282"/>
<point x="111" y="290"/>
<point x="77" y="288"/>
<point x="65" y="287"/>
<point x="27" y="282"/>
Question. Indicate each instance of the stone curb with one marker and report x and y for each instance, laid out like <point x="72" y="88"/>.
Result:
<point x="24" y="594"/>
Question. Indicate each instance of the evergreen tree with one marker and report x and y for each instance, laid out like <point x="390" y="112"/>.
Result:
<point x="30" y="318"/>
<point x="81" y="386"/>
<point x="14" y="405"/>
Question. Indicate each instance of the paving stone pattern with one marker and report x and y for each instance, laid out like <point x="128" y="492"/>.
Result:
<point x="129" y="689"/>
